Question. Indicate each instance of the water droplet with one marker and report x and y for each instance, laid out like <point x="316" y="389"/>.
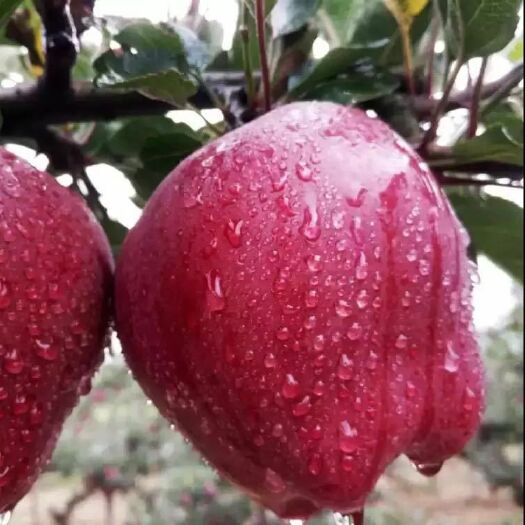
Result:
<point x="315" y="464"/>
<point x="46" y="350"/>
<point x="411" y="255"/>
<point x="348" y="441"/>
<point x="345" y="371"/>
<point x="215" y="297"/>
<point x="274" y="482"/>
<point x="361" y="269"/>
<point x="451" y="359"/>
<point x="343" y="308"/>
<point x="314" y="263"/>
<point x="354" y="332"/>
<point x="291" y="388"/>
<point x="310" y="228"/>
<point x="338" y="219"/>
<point x="5" y="518"/>
<point x="270" y="361"/>
<point x="232" y="231"/>
<point x="401" y="341"/>
<point x="304" y="172"/>
<point x="429" y="469"/>
<point x="283" y="333"/>
<point x="303" y="407"/>
<point x="424" y="267"/>
<point x="362" y="299"/>
<point x="357" y="201"/>
<point x="312" y="299"/>
<point x="5" y="295"/>
<point x="356" y="230"/>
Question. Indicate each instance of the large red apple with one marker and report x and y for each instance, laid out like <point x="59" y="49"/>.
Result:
<point x="55" y="281"/>
<point x="297" y="299"/>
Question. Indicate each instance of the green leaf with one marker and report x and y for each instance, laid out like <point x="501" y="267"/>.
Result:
<point x="516" y="52"/>
<point x="129" y="140"/>
<point x="355" y="87"/>
<point x="501" y="142"/>
<point x="496" y="229"/>
<point x="115" y="232"/>
<point x="198" y="54"/>
<point x="377" y="33"/>
<point x="170" y="86"/>
<point x="338" y="18"/>
<point x="479" y="28"/>
<point x="152" y="60"/>
<point x="288" y="16"/>
<point x="161" y="154"/>
<point x="7" y="8"/>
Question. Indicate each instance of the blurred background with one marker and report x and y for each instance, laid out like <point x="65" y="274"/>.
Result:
<point x="119" y="463"/>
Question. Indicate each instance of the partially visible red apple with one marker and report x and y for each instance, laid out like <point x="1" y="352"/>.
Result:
<point x="55" y="285"/>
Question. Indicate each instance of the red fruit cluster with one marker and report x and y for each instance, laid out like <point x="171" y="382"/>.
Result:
<point x="55" y="279"/>
<point x="297" y="299"/>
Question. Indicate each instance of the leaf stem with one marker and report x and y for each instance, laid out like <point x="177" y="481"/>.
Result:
<point x="430" y="135"/>
<point x="246" y="58"/>
<point x="514" y="78"/>
<point x="434" y="31"/>
<point x="265" y="71"/>
<point x="408" y="61"/>
<point x="476" y="97"/>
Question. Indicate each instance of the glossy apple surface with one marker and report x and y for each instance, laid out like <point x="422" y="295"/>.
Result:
<point x="297" y="299"/>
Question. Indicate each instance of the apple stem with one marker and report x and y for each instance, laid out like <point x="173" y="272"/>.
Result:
<point x="265" y="71"/>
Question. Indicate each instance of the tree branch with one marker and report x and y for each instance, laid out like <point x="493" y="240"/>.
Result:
<point x="19" y="106"/>
<point x="61" y="47"/>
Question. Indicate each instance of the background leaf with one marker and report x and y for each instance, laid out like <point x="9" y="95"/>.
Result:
<point x="479" y="27"/>
<point x="288" y="16"/>
<point x="496" y="229"/>
<point x="7" y="8"/>
<point x="501" y="142"/>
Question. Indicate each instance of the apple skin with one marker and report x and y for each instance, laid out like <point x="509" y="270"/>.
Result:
<point x="296" y="298"/>
<point x="55" y="287"/>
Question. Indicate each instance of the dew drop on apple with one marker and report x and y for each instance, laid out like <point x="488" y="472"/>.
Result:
<point x="338" y="219"/>
<point x="451" y="359"/>
<point x="348" y="441"/>
<point x="428" y="469"/>
<point x="273" y="482"/>
<point x="315" y="464"/>
<point x="310" y="229"/>
<point x="354" y="332"/>
<point x="303" y="407"/>
<point x="291" y="388"/>
<point x="357" y="200"/>
<point x="304" y="172"/>
<point x="343" y="308"/>
<point x="361" y="269"/>
<point x="215" y="300"/>
<point x="401" y="342"/>
<point x="233" y="231"/>
<point x="345" y="369"/>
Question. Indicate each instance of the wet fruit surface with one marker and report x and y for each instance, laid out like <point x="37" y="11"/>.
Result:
<point x="55" y="280"/>
<point x="296" y="298"/>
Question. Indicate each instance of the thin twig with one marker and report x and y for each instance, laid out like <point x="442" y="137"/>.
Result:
<point x="61" y="46"/>
<point x="474" y="106"/>
<point x="511" y="81"/>
<point x="261" y="36"/>
<point x="434" y="31"/>
<point x="430" y="135"/>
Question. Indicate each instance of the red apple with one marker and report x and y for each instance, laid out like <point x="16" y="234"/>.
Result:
<point x="296" y="298"/>
<point x="55" y="280"/>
